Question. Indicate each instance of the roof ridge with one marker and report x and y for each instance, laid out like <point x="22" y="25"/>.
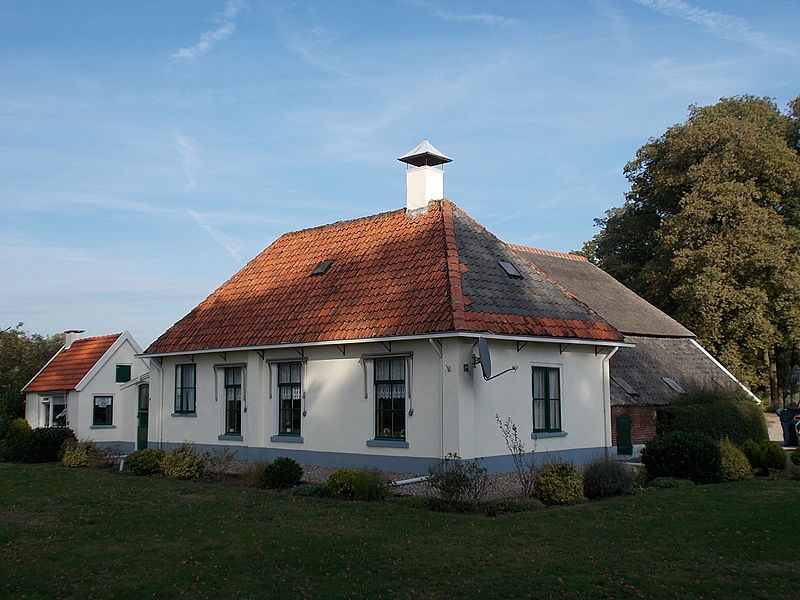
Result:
<point x="548" y="252"/>
<point x="340" y="223"/>
<point x="453" y="265"/>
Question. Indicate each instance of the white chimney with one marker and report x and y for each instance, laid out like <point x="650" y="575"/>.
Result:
<point x="70" y="335"/>
<point x="424" y="181"/>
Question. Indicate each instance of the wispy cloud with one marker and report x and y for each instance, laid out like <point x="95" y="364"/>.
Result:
<point x="188" y="158"/>
<point x="208" y="39"/>
<point x="439" y="12"/>
<point x="232" y="245"/>
<point x="719" y="24"/>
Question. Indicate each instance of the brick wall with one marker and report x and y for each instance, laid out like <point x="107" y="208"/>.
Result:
<point x="643" y="422"/>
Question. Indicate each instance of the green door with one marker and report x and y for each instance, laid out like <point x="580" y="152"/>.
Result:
<point x="143" y="404"/>
<point x="624" y="442"/>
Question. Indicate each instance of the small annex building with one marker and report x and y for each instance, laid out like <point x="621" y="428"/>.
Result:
<point x="664" y="358"/>
<point x="357" y="344"/>
<point x="91" y="385"/>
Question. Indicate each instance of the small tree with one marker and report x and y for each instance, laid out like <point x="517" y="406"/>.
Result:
<point x="524" y="461"/>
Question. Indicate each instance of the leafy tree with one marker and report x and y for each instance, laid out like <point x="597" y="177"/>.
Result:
<point x="710" y="233"/>
<point x="21" y="356"/>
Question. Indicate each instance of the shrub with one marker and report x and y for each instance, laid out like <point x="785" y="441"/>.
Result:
<point x="735" y="465"/>
<point x="312" y="490"/>
<point x="85" y="454"/>
<point x="369" y="485"/>
<point x="670" y="482"/>
<point x="13" y="446"/>
<point x="559" y="483"/>
<point x="513" y="505"/>
<point x="716" y="413"/>
<point x="459" y="484"/>
<point x="796" y="456"/>
<point x="68" y="445"/>
<point x="524" y="461"/>
<point x="341" y="482"/>
<point x="282" y="473"/>
<point x="219" y="462"/>
<point x="145" y="462"/>
<point x="253" y="475"/>
<point x="184" y="462"/>
<point x="605" y="478"/>
<point x="772" y="456"/>
<point x="43" y="444"/>
<point x="684" y="455"/>
<point x="752" y="452"/>
<point x="6" y="418"/>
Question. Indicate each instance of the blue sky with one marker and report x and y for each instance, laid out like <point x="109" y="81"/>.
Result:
<point x="149" y="149"/>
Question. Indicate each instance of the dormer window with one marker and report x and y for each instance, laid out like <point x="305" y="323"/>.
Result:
<point x="510" y="269"/>
<point x="322" y="267"/>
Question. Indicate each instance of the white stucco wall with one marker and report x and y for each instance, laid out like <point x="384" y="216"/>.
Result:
<point x="453" y="409"/>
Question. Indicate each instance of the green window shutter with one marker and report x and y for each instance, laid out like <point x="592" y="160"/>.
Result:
<point x="123" y="373"/>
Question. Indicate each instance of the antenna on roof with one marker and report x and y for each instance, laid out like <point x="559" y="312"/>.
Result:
<point x="486" y="360"/>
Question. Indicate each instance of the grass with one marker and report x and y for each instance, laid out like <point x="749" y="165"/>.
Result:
<point x="95" y="534"/>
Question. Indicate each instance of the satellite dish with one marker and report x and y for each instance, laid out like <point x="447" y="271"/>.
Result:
<point x="486" y="360"/>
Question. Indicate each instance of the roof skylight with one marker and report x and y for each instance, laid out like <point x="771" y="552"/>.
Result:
<point x="673" y="384"/>
<point x="510" y="269"/>
<point x="625" y="385"/>
<point x="322" y="267"/>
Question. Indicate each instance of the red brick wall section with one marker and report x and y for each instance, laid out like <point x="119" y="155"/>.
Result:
<point x="643" y="422"/>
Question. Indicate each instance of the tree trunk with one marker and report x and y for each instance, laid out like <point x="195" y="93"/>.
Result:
<point x="774" y="393"/>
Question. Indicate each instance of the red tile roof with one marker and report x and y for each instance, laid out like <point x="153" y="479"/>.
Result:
<point x="548" y="252"/>
<point x="391" y="275"/>
<point x="70" y="365"/>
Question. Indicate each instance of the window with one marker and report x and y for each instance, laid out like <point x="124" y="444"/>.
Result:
<point x="103" y="409"/>
<point x="546" y="399"/>
<point x="289" y="398"/>
<point x="510" y="269"/>
<point x="184" y="388"/>
<point x="54" y="411"/>
<point x="233" y="400"/>
<point x="123" y="373"/>
<point x="322" y="267"/>
<point x="390" y="398"/>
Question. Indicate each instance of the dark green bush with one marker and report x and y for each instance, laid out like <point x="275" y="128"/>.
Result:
<point x="716" y="413"/>
<point x="459" y="484"/>
<point x="559" y="483"/>
<point x="68" y="445"/>
<point x="606" y="478"/>
<point x="148" y="461"/>
<point x="683" y="455"/>
<point x="772" y="456"/>
<point x="796" y="456"/>
<point x="513" y="505"/>
<point x="43" y="444"/>
<point x="670" y="482"/>
<point x="752" y="451"/>
<point x="282" y="473"/>
<point x="184" y="462"/>
<point x="735" y="465"/>
<point x="13" y="446"/>
<point x="341" y="482"/>
<point x="369" y="485"/>
<point x="6" y="418"/>
<point x="312" y="490"/>
<point x="85" y="454"/>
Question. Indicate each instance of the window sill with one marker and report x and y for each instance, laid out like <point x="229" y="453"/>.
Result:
<point x="290" y="439"/>
<point x="235" y="437"/>
<point x="183" y="415"/>
<point x="539" y="435"/>
<point x="102" y="427"/>
<point x="387" y="444"/>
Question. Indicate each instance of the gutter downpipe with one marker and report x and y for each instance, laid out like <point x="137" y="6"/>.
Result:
<point x="607" y="398"/>
<point x="437" y="348"/>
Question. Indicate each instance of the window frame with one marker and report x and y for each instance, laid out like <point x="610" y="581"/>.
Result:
<point x="394" y="411"/>
<point x="549" y="425"/>
<point x="181" y="404"/>
<point x="295" y="409"/>
<point x="117" y="373"/>
<point x="108" y="410"/>
<point x="233" y="407"/>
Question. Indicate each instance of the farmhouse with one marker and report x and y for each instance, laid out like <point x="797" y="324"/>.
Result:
<point x="91" y="385"/>
<point x="387" y="341"/>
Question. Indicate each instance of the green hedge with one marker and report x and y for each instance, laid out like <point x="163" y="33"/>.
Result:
<point x="683" y="455"/>
<point x="43" y="444"/>
<point x="715" y="413"/>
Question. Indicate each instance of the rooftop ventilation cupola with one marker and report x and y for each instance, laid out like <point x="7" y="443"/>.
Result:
<point x="424" y="175"/>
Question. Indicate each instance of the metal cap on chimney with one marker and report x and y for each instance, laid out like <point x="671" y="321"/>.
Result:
<point x="424" y="182"/>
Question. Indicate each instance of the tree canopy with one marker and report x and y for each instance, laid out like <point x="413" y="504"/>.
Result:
<point x="710" y="233"/>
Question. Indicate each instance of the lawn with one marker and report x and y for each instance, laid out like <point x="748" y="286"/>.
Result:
<point x="96" y="534"/>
